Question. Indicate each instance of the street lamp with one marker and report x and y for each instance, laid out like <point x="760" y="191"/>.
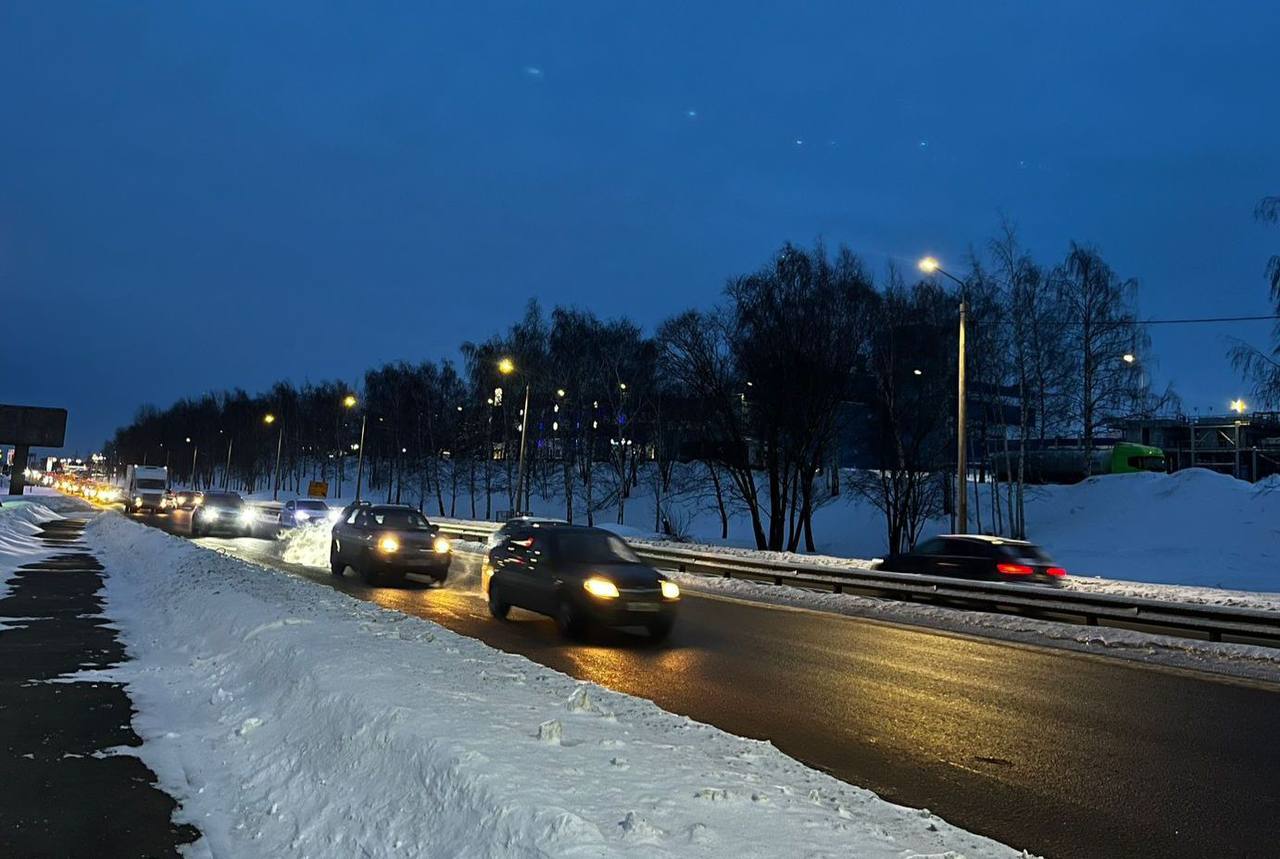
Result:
<point x="1129" y="357"/>
<point x="269" y="419"/>
<point x="507" y="367"/>
<point x="1239" y="406"/>
<point x="194" y="450"/>
<point x="351" y="402"/>
<point x="930" y="265"/>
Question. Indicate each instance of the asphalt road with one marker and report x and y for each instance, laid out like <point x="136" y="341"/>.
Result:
<point x="1061" y="754"/>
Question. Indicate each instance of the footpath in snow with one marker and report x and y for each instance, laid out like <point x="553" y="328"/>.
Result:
<point x="292" y="720"/>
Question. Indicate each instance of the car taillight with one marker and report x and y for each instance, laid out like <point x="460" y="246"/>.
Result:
<point x="1056" y="571"/>
<point x="1014" y="569"/>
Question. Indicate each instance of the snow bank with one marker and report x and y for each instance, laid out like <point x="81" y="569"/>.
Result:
<point x="20" y="521"/>
<point x="292" y="720"/>
<point x="1193" y="527"/>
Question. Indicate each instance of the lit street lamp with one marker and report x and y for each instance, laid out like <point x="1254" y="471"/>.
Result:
<point x="269" y="419"/>
<point x="1129" y="357"/>
<point x="506" y="367"/>
<point x="194" y="450"/>
<point x="1239" y="406"/>
<point x="929" y="265"/>
<point x="351" y="402"/>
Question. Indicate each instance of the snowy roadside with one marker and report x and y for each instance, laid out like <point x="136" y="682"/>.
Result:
<point x="291" y="719"/>
<point x="1238" y="660"/>
<point x="20" y="521"/>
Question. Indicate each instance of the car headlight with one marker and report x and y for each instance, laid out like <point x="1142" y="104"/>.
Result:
<point x="388" y="544"/>
<point x="302" y="515"/>
<point x="212" y="512"/>
<point x="137" y="502"/>
<point x="600" y="587"/>
<point x="670" y="590"/>
<point x="441" y="545"/>
<point x="247" y="516"/>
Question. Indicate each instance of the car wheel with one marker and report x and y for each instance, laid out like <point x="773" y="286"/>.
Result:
<point x="660" y="629"/>
<point x="497" y="607"/>
<point x="335" y="566"/>
<point x="569" y="620"/>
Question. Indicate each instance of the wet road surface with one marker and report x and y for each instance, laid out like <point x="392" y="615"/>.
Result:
<point x="1058" y="753"/>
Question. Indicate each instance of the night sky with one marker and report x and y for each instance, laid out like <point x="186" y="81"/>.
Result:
<point x="203" y="196"/>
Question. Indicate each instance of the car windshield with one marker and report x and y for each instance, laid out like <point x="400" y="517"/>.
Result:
<point x="223" y="501"/>
<point x="149" y="483"/>
<point x="593" y="547"/>
<point x="312" y="505"/>
<point x="401" y="520"/>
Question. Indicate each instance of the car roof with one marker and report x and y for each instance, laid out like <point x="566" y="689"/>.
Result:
<point x="987" y="538"/>
<point x="535" y="520"/>
<point x="372" y="508"/>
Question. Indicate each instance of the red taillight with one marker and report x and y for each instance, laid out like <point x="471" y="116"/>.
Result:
<point x="1014" y="569"/>
<point x="1056" y="571"/>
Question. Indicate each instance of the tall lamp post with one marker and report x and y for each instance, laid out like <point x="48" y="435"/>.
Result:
<point x="194" y="450"/>
<point x="929" y="265"/>
<point x="351" y="402"/>
<point x="269" y="419"/>
<point x="506" y="367"/>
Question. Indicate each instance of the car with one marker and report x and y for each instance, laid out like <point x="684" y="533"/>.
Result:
<point x="500" y="535"/>
<point x="579" y="576"/>
<point x="384" y="542"/>
<point x="304" y="511"/>
<point x="979" y="557"/>
<point x="210" y="513"/>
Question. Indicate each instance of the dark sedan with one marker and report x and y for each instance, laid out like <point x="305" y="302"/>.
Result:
<point x="384" y="542"/>
<point x="971" y="556"/>
<point x="578" y="576"/>
<point x="210" y="513"/>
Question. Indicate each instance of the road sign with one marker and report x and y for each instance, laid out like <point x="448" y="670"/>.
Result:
<point x="318" y="489"/>
<point x="25" y="427"/>
<point x="32" y="426"/>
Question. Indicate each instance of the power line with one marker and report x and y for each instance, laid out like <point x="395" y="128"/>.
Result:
<point x="1102" y="323"/>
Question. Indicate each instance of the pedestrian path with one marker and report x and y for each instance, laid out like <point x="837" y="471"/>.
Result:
<point x="68" y="791"/>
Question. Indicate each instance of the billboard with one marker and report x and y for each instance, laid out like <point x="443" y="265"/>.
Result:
<point x="32" y="426"/>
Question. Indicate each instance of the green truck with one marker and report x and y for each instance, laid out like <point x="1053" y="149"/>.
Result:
<point x="1071" y="465"/>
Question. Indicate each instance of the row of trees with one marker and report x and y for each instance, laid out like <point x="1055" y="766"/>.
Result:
<point x="748" y="408"/>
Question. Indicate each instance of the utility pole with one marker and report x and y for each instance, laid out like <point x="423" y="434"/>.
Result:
<point x="962" y="500"/>
<point x="275" y="491"/>
<point x="524" y="429"/>
<point x="364" y="418"/>
<point x="226" y="472"/>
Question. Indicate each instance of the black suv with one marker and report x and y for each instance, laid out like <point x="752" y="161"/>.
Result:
<point x="972" y="556"/>
<point x="386" y="541"/>
<point x="578" y="576"/>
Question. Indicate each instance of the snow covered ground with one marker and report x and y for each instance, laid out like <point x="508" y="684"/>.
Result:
<point x="293" y="720"/>
<point x="20" y="521"/>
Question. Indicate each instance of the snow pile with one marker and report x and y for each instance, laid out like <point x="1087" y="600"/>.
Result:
<point x="293" y="720"/>
<point x="307" y="545"/>
<point x="1193" y="527"/>
<point x="20" y="521"/>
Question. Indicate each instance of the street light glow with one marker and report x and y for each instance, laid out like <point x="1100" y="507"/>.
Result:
<point x="350" y="401"/>
<point x="1239" y="406"/>
<point x="929" y="265"/>
<point x="1129" y="357"/>
<point x="506" y="366"/>
<point x="559" y="392"/>
<point x="268" y="418"/>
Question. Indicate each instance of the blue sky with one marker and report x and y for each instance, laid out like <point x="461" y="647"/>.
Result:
<point x="202" y="196"/>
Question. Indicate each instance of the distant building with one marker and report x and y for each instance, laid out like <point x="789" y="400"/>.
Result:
<point x="1244" y="446"/>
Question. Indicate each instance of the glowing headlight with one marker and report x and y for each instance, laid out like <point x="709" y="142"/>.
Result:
<point x="212" y="512"/>
<point x="137" y="502"/>
<point x="602" y="588"/>
<point x="389" y="544"/>
<point x="302" y="515"/>
<point x="335" y="515"/>
<point x="441" y="545"/>
<point x="670" y="591"/>
<point x="247" y="516"/>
